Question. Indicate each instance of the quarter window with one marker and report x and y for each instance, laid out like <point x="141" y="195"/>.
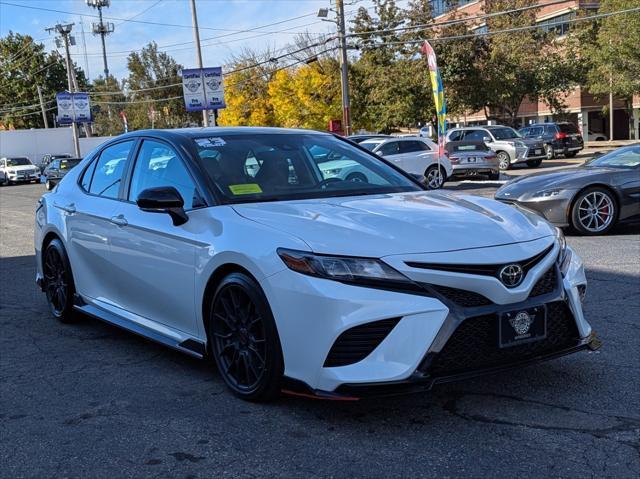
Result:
<point x="474" y="135"/>
<point x="159" y="165"/>
<point x="391" y="148"/>
<point x="108" y="170"/>
<point x="413" y="147"/>
<point x="455" y="135"/>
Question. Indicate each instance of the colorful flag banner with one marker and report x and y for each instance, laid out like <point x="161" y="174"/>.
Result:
<point x="438" y="94"/>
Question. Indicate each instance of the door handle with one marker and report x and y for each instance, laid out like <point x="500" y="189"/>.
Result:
<point x="119" y="220"/>
<point x="70" y="208"/>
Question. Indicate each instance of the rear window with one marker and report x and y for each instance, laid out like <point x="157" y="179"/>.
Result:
<point x="466" y="146"/>
<point x="568" y="128"/>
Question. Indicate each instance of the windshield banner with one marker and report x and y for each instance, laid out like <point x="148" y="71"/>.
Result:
<point x="438" y="93"/>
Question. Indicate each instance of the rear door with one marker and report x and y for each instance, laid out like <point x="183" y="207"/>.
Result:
<point x="416" y="156"/>
<point x="89" y="226"/>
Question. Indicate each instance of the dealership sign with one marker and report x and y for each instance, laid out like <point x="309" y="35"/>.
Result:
<point x="73" y="108"/>
<point x="203" y="88"/>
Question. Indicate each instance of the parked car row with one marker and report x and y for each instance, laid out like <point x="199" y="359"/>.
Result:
<point x="49" y="171"/>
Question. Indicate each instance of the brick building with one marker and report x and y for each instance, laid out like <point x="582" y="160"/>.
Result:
<point x="583" y="109"/>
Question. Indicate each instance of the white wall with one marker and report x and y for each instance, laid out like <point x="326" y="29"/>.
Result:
<point x="35" y="143"/>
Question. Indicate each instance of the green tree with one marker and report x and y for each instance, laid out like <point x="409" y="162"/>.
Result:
<point x="107" y="99"/>
<point x="614" y="56"/>
<point x="24" y="65"/>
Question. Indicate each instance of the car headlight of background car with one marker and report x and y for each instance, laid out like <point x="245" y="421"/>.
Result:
<point x="546" y="193"/>
<point x="333" y="172"/>
<point x="361" y="271"/>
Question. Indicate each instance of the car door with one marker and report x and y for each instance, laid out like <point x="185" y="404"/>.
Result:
<point x="53" y="170"/>
<point x="88" y="211"/>
<point x="155" y="259"/>
<point x="416" y="156"/>
<point x="390" y="150"/>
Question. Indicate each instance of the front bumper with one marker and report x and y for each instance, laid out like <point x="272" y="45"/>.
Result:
<point x="554" y="209"/>
<point x="311" y="314"/>
<point x="23" y="178"/>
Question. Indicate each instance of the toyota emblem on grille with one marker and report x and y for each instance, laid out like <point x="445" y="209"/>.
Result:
<point x="511" y="275"/>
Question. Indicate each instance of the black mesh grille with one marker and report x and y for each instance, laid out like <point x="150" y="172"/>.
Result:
<point x="474" y="345"/>
<point x="462" y="297"/>
<point x="546" y="284"/>
<point x="357" y="343"/>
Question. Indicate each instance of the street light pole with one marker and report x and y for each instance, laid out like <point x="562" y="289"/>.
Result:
<point x="196" y="37"/>
<point x="344" y="74"/>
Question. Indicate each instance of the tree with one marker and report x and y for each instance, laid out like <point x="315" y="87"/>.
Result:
<point x="24" y="66"/>
<point x="614" y="55"/>
<point x="107" y="100"/>
<point x="154" y="91"/>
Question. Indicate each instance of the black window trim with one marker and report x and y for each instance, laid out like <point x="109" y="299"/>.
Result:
<point x="94" y="161"/>
<point x="133" y="160"/>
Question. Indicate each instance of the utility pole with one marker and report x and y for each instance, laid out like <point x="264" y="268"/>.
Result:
<point x="346" y="103"/>
<point x="65" y="32"/>
<point x="101" y="28"/>
<point x="196" y="37"/>
<point x="44" y="111"/>
<point x="610" y="107"/>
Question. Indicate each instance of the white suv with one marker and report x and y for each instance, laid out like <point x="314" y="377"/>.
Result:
<point x="415" y="155"/>
<point x="17" y="170"/>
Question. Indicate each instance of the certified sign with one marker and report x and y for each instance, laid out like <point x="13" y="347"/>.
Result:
<point x="73" y="107"/>
<point x="203" y="89"/>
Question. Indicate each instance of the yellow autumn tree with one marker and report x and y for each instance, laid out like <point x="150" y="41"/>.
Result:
<point x="247" y="99"/>
<point x="306" y="97"/>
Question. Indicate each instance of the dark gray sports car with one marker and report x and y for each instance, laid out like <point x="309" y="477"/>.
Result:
<point x="591" y="198"/>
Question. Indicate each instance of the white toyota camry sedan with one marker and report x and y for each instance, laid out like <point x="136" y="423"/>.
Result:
<point x="239" y="245"/>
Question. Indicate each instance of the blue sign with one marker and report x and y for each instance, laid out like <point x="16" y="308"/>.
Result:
<point x="73" y="107"/>
<point x="203" y="89"/>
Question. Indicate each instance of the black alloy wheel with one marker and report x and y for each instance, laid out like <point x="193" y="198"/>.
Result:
<point x="244" y="339"/>
<point x="58" y="281"/>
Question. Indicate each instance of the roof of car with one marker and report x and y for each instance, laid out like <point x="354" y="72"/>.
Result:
<point x="222" y="130"/>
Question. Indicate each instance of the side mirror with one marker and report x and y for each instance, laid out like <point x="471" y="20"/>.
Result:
<point x="163" y="199"/>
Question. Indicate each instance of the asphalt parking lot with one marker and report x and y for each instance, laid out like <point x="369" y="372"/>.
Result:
<point x="90" y="400"/>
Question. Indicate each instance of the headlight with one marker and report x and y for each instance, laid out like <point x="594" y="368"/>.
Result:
<point x="520" y="144"/>
<point x="333" y="172"/>
<point x="365" y="271"/>
<point x="546" y="193"/>
<point x="564" y="258"/>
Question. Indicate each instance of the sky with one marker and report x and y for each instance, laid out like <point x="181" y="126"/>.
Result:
<point x="220" y="22"/>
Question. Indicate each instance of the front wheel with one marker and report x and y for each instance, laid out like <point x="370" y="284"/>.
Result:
<point x="504" y="162"/>
<point x="534" y="163"/>
<point x="594" y="212"/>
<point x="357" y="177"/>
<point x="48" y="185"/>
<point x="244" y="339"/>
<point x="434" y="177"/>
<point x="58" y="281"/>
<point x="549" y="153"/>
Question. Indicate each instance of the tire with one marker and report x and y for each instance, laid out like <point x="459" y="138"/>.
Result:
<point x="534" y="163"/>
<point x="48" y="185"/>
<point x="548" y="151"/>
<point x="570" y="154"/>
<point x="590" y="221"/>
<point x="5" y="181"/>
<point x="434" y="178"/>
<point x="244" y="339"/>
<point x="504" y="162"/>
<point x="58" y="282"/>
<point x="357" y="177"/>
<point x="494" y="176"/>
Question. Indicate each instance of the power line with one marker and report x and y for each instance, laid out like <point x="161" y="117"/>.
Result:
<point x="141" y="13"/>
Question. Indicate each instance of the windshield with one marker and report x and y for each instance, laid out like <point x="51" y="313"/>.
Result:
<point x="627" y="157"/>
<point x="18" y="161"/>
<point x="68" y="164"/>
<point x="504" y="133"/>
<point x="268" y="167"/>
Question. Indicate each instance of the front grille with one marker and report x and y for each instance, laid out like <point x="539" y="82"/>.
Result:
<point x="546" y="284"/>
<point x="357" y="343"/>
<point x="462" y="297"/>
<point x="474" y="344"/>
<point x="481" y="269"/>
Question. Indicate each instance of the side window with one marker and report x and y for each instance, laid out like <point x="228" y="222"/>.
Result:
<point x="391" y="148"/>
<point x="474" y="135"/>
<point x="158" y="165"/>
<point x="3" y="164"/>
<point x="455" y="135"/>
<point x="109" y="170"/>
<point x="535" y="132"/>
<point x="412" y="146"/>
<point x="56" y="165"/>
<point x="525" y="132"/>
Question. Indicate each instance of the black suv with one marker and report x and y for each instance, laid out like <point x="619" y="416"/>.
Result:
<point x="559" y="138"/>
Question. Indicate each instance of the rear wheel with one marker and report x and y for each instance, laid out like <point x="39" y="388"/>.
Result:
<point x="549" y="153"/>
<point x="534" y="163"/>
<point x="504" y="162"/>
<point x="58" y="281"/>
<point x="357" y="177"/>
<point x="434" y="177"/>
<point x="244" y="339"/>
<point x="48" y="185"/>
<point x="594" y="212"/>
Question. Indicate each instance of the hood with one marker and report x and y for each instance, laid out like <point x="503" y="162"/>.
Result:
<point x="402" y="223"/>
<point x="568" y="178"/>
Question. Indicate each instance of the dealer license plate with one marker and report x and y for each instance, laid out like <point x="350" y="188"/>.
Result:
<point x="522" y="326"/>
<point x="538" y="152"/>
